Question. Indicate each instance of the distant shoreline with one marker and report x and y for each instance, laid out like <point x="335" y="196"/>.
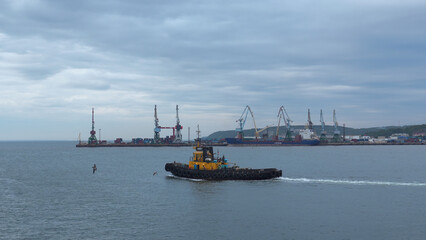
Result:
<point x="85" y="145"/>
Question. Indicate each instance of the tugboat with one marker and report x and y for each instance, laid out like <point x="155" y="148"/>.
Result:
<point x="204" y="165"/>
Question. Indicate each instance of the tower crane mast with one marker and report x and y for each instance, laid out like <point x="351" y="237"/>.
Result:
<point x="178" y="127"/>
<point x="323" y="136"/>
<point x="310" y="124"/>
<point x="288" y="126"/>
<point x="336" y="136"/>
<point x="157" y="128"/>
<point x="279" y="116"/>
<point x="92" y="138"/>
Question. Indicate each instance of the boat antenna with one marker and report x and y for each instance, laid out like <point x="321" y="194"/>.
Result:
<point x="198" y="136"/>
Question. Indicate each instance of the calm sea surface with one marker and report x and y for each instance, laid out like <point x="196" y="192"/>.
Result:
<point x="48" y="191"/>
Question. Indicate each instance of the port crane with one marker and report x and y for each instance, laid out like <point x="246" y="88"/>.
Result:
<point x="282" y="114"/>
<point x="323" y="136"/>
<point x="336" y="136"/>
<point x="92" y="138"/>
<point x="157" y="128"/>
<point x="310" y="124"/>
<point x="242" y="121"/>
<point x="178" y="127"/>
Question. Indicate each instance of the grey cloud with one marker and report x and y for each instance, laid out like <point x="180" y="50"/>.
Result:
<point x="222" y="55"/>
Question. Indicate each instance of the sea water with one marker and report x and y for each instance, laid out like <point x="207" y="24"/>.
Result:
<point x="48" y="191"/>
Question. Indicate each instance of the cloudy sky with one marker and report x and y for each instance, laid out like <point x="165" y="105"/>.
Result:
<point x="58" y="59"/>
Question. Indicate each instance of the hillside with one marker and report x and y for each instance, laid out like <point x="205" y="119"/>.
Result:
<point x="410" y="130"/>
<point x="374" y="131"/>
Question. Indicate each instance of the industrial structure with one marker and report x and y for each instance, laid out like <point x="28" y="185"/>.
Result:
<point x="173" y="140"/>
<point x="177" y="133"/>
<point x="294" y="135"/>
<point x="310" y="124"/>
<point x="303" y="136"/>
<point x="336" y="135"/>
<point x="92" y="138"/>
<point x="308" y="132"/>
<point x="178" y="127"/>
<point x="282" y="114"/>
<point x="323" y="136"/>
<point x="242" y="121"/>
<point x="157" y="128"/>
<point x="275" y="140"/>
<point x="289" y="130"/>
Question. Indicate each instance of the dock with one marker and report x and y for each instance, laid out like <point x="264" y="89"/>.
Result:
<point x="86" y="145"/>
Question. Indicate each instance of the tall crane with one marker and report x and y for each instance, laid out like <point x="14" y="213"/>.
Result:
<point x="282" y="114"/>
<point x="157" y="128"/>
<point x="310" y="124"/>
<point x="92" y="138"/>
<point x="242" y="121"/>
<point x="336" y="135"/>
<point x="279" y="116"/>
<point x="178" y="127"/>
<point x="288" y="127"/>
<point x="323" y="137"/>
